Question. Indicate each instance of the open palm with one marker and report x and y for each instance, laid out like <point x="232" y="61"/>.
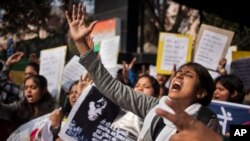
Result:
<point x="76" y="21"/>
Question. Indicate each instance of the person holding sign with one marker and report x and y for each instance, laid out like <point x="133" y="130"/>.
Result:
<point x="59" y="116"/>
<point x="191" y="87"/>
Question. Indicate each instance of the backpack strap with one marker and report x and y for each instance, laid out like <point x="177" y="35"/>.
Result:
<point x="157" y="126"/>
<point x="205" y="115"/>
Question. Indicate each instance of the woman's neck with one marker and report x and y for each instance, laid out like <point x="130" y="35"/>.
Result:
<point x="184" y="104"/>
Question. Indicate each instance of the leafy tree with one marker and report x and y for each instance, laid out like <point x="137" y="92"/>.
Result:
<point x="24" y="16"/>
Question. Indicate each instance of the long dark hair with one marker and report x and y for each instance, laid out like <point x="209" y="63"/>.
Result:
<point x="45" y="105"/>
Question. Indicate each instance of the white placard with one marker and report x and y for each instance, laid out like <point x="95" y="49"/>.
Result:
<point x="29" y="130"/>
<point x="113" y="71"/>
<point x="152" y="71"/>
<point x="211" y="45"/>
<point x="51" y="66"/>
<point x="229" y="57"/>
<point x="229" y="54"/>
<point x="174" y="52"/>
<point x="72" y="72"/>
<point x="173" y="49"/>
<point x="109" y="50"/>
<point x="214" y="74"/>
<point x="210" y="49"/>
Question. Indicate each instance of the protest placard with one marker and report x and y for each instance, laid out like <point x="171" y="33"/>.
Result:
<point x="51" y="67"/>
<point x="211" y="45"/>
<point x="229" y="57"/>
<point x="241" y="68"/>
<point x="230" y="113"/>
<point x="240" y="54"/>
<point x="109" y="51"/>
<point x="72" y="72"/>
<point x="172" y="49"/>
<point x="91" y="119"/>
<point x="29" y="131"/>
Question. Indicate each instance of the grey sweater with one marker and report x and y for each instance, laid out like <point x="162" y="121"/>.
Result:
<point x="123" y="95"/>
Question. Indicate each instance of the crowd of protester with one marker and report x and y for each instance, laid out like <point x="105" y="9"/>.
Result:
<point x="142" y="98"/>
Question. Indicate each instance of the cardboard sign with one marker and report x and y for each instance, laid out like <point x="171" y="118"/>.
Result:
<point x="211" y="45"/>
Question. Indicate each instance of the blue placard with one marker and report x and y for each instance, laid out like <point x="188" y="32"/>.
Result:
<point x="230" y="113"/>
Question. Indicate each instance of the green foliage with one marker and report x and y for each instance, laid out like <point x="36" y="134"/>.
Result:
<point x="24" y="16"/>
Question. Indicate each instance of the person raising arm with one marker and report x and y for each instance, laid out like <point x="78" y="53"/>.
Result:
<point x="191" y="87"/>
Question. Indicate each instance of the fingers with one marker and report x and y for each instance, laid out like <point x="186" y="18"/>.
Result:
<point x="125" y="65"/>
<point x="132" y="63"/>
<point x="143" y="70"/>
<point x="174" y="106"/>
<point x="181" y="119"/>
<point x="67" y="17"/>
<point x="57" y="111"/>
<point x="33" y="58"/>
<point x="73" y="16"/>
<point x="83" y="10"/>
<point x="172" y="117"/>
<point x="85" y="77"/>
<point x="78" y="17"/>
<point x="81" y="14"/>
<point x="17" y="55"/>
<point x="79" y="11"/>
<point x="91" y="26"/>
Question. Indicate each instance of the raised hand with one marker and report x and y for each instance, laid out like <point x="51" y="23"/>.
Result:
<point x="143" y="70"/>
<point x="33" y="58"/>
<point x="126" y="68"/>
<point x="14" y="58"/>
<point x="83" y="82"/>
<point x="189" y="128"/>
<point x="56" y="118"/>
<point x="78" y="28"/>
